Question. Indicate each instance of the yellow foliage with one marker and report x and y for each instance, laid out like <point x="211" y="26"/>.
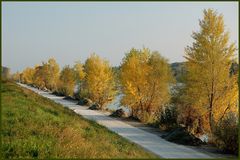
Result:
<point x="80" y="74"/>
<point x="145" y="78"/>
<point x="39" y="77"/>
<point x="27" y="75"/>
<point x="51" y="72"/>
<point x="99" y="80"/>
<point x="66" y="82"/>
<point x="210" y="89"/>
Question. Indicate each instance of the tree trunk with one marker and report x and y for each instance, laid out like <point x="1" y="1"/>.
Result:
<point x="211" y="123"/>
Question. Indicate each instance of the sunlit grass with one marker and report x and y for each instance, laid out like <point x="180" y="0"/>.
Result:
<point x="33" y="126"/>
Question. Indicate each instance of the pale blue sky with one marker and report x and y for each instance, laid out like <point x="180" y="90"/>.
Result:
<point x="33" y="32"/>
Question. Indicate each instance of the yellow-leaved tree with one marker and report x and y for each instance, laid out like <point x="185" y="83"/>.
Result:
<point x="211" y="91"/>
<point x="39" y="77"/>
<point x="99" y="80"/>
<point x="51" y="72"/>
<point x="145" y="79"/>
<point x="27" y="76"/>
<point x="67" y="81"/>
<point x="79" y="76"/>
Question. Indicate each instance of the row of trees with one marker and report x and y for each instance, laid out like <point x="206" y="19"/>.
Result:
<point x="94" y="79"/>
<point x="144" y="79"/>
<point x="207" y="102"/>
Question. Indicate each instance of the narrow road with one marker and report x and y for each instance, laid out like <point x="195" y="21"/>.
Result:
<point x="148" y="141"/>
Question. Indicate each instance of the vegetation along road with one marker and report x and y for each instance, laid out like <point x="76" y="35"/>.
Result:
<point x="35" y="127"/>
<point x="147" y="140"/>
<point x="195" y="101"/>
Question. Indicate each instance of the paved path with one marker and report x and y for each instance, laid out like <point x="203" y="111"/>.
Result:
<point x="149" y="141"/>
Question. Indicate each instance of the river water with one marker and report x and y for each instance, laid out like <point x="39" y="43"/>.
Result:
<point x="115" y="104"/>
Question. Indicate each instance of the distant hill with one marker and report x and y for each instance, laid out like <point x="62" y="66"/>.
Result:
<point x="179" y="69"/>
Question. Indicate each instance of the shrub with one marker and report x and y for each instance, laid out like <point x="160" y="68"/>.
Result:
<point x="148" y="118"/>
<point x="82" y="94"/>
<point x="182" y="136"/>
<point x="226" y="134"/>
<point x="85" y="102"/>
<point x="119" y="113"/>
<point x="95" y="106"/>
<point x="168" y="118"/>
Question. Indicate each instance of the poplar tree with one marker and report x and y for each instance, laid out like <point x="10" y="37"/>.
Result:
<point x="27" y="75"/>
<point x="211" y="91"/>
<point x="39" y="77"/>
<point x="99" y="80"/>
<point x="67" y="81"/>
<point x="51" y="70"/>
<point x="79" y="75"/>
<point x="145" y="79"/>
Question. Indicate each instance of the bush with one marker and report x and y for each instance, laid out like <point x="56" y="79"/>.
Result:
<point x="119" y="113"/>
<point x="57" y="93"/>
<point x="85" y="102"/>
<point x="147" y="118"/>
<point x="150" y="118"/>
<point x="95" y="106"/>
<point x="83" y="93"/>
<point x="76" y="96"/>
<point x="182" y="136"/>
<point x="168" y="118"/>
<point x="226" y="134"/>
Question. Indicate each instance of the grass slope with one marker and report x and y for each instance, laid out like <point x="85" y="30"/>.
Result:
<point x="33" y="126"/>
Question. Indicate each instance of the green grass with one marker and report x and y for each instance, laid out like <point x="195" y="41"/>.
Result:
<point x="35" y="127"/>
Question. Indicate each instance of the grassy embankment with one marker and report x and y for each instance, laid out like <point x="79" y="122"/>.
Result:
<point x="33" y="126"/>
